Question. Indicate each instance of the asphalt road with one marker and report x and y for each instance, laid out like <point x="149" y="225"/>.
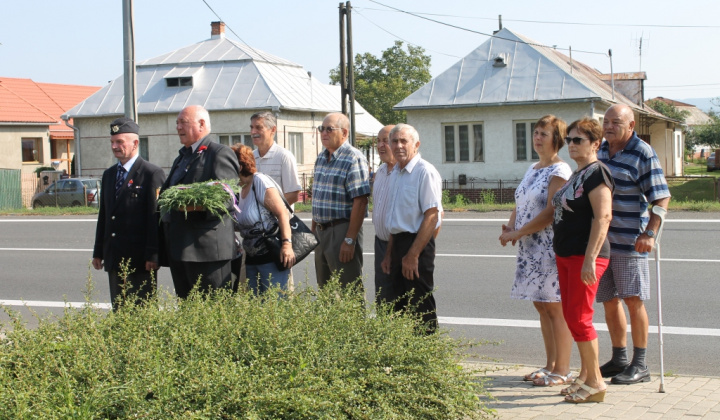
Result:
<point x="45" y="261"/>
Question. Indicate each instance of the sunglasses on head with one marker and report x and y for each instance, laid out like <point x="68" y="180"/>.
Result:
<point x="576" y="140"/>
<point x="322" y="128"/>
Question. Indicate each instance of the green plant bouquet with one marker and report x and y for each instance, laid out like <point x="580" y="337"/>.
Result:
<point x="212" y="196"/>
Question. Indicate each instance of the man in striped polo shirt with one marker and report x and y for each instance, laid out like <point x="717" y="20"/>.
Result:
<point x="639" y="181"/>
<point x="341" y="186"/>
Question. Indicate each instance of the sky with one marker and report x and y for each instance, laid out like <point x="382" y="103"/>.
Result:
<point x="80" y="41"/>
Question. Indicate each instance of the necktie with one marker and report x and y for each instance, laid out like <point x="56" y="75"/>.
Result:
<point x="119" y="179"/>
<point x="180" y="170"/>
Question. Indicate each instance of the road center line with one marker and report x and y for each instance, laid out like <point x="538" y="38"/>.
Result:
<point x="446" y="320"/>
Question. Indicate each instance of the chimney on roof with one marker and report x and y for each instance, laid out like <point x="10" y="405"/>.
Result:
<point x="218" y="30"/>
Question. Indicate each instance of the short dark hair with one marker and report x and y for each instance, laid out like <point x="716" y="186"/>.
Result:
<point x="589" y="127"/>
<point x="245" y="158"/>
<point x="559" y="129"/>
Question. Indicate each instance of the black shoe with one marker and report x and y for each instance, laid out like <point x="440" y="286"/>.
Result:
<point x="632" y="375"/>
<point x="610" y="369"/>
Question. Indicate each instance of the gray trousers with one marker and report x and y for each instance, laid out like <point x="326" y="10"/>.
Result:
<point x="327" y="256"/>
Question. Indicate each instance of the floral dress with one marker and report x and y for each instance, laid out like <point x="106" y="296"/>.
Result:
<point x="536" y="276"/>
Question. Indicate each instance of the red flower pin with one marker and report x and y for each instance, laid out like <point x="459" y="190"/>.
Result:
<point x="130" y="183"/>
<point x="201" y="149"/>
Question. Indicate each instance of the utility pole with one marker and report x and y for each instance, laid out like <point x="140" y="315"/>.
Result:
<point x="347" y="74"/>
<point x="129" y="61"/>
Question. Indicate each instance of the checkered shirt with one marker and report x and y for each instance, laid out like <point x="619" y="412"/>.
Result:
<point x="337" y="182"/>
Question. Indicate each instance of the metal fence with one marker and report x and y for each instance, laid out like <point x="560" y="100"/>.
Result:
<point x="10" y="191"/>
<point x="474" y="190"/>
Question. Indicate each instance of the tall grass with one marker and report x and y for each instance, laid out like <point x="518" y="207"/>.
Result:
<point x="319" y="355"/>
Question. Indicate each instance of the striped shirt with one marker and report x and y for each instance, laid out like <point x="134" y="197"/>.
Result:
<point x="639" y="180"/>
<point x="381" y="200"/>
<point x="337" y="182"/>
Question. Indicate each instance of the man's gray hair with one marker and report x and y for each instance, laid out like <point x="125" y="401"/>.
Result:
<point x="202" y="114"/>
<point x="269" y="120"/>
<point x="405" y="127"/>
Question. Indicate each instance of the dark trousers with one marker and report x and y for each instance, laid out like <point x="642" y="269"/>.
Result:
<point x="421" y="299"/>
<point x="139" y="285"/>
<point x="383" y="282"/>
<point x="213" y="275"/>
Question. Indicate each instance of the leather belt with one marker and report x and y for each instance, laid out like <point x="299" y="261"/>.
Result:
<point x="323" y="226"/>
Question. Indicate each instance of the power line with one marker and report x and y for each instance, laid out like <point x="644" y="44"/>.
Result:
<point x="481" y="33"/>
<point x="674" y="86"/>
<point x="640" y="25"/>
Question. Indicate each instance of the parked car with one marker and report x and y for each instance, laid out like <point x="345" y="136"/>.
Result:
<point x="711" y="162"/>
<point x="69" y="192"/>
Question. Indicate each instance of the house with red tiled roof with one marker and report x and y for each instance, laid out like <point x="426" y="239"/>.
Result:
<point x="32" y="133"/>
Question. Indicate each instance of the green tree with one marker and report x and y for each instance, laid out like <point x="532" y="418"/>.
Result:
<point x="708" y="134"/>
<point x="382" y="82"/>
<point x="668" y="110"/>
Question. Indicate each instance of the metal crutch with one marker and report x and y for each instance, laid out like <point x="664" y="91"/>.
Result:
<point x="660" y="212"/>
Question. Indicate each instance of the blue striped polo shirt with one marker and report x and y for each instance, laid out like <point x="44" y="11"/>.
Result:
<point x="337" y="182"/>
<point x="639" y="180"/>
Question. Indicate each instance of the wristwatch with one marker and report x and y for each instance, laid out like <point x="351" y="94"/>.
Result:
<point x="350" y="241"/>
<point x="650" y="233"/>
<point x="287" y="240"/>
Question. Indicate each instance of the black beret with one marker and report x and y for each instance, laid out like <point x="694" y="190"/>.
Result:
<point x="124" y="125"/>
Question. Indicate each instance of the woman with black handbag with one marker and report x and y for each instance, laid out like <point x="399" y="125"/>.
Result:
<point x="263" y="222"/>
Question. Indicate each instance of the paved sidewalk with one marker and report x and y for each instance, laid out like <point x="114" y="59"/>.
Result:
<point x="684" y="397"/>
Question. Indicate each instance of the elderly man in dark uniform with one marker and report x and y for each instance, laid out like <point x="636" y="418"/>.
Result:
<point x="200" y="245"/>
<point x="128" y="220"/>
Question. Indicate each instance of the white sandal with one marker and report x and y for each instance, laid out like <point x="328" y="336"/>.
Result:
<point x="540" y="373"/>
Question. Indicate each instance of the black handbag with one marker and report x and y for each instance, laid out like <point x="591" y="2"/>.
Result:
<point x="303" y="239"/>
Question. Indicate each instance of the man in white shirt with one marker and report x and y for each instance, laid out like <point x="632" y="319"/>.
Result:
<point x="412" y="219"/>
<point x="381" y="193"/>
<point x="270" y="158"/>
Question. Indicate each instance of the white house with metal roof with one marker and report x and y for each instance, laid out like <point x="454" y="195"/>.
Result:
<point x="232" y="81"/>
<point x="476" y="118"/>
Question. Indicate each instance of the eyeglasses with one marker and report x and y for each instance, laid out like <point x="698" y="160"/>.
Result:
<point x="322" y="128"/>
<point x="576" y="140"/>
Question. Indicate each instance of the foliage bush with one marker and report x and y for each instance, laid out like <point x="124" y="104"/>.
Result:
<point x="319" y="355"/>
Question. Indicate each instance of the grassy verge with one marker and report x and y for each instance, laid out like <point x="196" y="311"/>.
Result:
<point x="319" y="355"/>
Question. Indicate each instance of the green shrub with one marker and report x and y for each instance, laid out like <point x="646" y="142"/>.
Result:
<point x="488" y="197"/>
<point x="317" y="355"/>
<point x="460" y="200"/>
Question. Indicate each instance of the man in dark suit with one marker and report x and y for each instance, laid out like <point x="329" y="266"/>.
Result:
<point x="128" y="219"/>
<point x="200" y="245"/>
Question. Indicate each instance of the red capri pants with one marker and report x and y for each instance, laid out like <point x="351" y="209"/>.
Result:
<point x="577" y="297"/>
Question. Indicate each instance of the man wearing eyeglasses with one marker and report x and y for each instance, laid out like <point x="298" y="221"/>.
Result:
<point x="639" y="180"/>
<point x="341" y="187"/>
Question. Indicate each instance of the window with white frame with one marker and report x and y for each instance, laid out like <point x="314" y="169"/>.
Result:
<point x="296" y="146"/>
<point x="523" y="141"/>
<point x="31" y="149"/>
<point x="463" y="142"/>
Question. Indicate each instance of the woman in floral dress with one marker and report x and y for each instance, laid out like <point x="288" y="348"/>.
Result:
<point x="536" y="277"/>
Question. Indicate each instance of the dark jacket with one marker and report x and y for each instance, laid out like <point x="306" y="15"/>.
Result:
<point x="128" y="226"/>
<point x="202" y="237"/>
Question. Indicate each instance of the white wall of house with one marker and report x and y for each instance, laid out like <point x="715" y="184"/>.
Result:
<point x="163" y="144"/>
<point x="11" y="146"/>
<point x="499" y="126"/>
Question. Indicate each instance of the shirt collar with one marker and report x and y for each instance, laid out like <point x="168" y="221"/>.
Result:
<point x="410" y="166"/>
<point x="271" y="151"/>
<point x="130" y="162"/>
